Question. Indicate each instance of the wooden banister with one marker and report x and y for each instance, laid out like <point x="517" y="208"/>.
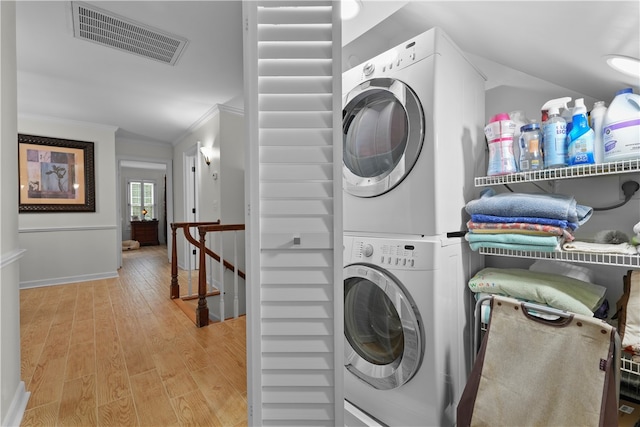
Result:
<point x="202" y="311"/>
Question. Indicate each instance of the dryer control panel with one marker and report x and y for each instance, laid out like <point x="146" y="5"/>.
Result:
<point x="390" y="253"/>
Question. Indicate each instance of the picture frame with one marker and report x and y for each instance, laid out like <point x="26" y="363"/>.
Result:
<point x="55" y="175"/>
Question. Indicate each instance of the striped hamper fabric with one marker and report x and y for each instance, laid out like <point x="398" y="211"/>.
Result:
<point x="535" y="372"/>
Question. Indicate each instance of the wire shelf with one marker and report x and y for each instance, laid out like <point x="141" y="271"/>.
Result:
<point x="580" y="257"/>
<point x="580" y="171"/>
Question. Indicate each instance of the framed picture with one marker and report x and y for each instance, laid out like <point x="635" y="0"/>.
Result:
<point x="56" y="175"/>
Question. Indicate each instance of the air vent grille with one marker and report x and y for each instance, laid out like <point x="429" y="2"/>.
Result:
<point x="103" y="27"/>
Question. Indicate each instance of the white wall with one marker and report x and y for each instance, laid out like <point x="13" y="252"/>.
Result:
<point x="13" y="398"/>
<point x="72" y="247"/>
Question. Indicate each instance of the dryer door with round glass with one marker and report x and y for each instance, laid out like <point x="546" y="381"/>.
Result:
<point x="382" y="133"/>
<point x="383" y="339"/>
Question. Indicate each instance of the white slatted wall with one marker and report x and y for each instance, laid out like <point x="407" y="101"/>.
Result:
<point x="292" y="96"/>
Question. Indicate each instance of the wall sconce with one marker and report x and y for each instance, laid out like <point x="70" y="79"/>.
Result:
<point x="144" y="212"/>
<point x="207" y="153"/>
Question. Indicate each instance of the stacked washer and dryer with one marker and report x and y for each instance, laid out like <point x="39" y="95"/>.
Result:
<point x="413" y="121"/>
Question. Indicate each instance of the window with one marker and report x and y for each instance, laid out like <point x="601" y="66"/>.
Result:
<point x="142" y="197"/>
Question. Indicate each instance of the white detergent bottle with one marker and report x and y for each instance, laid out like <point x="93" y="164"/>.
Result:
<point x="621" y="127"/>
<point x="580" y="139"/>
<point x="596" y="119"/>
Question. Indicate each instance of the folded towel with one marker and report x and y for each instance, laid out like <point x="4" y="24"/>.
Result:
<point x="517" y="239"/>
<point x="563" y="223"/>
<point x="555" y="206"/>
<point x="554" y="290"/>
<point x="600" y="248"/>
<point x="514" y="247"/>
<point x="519" y="228"/>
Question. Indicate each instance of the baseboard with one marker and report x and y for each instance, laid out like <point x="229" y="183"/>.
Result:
<point x="67" y="280"/>
<point x="18" y="405"/>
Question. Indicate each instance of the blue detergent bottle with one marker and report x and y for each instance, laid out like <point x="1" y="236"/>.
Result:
<point x="581" y="138"/>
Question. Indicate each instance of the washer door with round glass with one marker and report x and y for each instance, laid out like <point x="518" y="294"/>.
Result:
<point x="382" y="133"/>
<point x="383" y="337"/>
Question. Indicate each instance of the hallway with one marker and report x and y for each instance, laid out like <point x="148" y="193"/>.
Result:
<point x="119" y="352"/>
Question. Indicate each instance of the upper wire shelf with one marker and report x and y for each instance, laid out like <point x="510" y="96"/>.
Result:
<point x="580" y="171"/>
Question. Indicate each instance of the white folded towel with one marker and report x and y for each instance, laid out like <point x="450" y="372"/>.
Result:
<point x="600" y="248"/>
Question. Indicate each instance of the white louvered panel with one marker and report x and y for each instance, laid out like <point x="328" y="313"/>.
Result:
<point x="306" y="15"/>
<point x="314" y="172"/>
<point x="295" y="102"/>
<point x="285" y="377"/>
<point x="297" y="190"/>
<point x="294" y="67"/>
<point x="299" y="394"/>
<point x="296" y="137"/>
<point x="321" y="49"/>
<point x="307" y="241"/>
<point x="295" y="119"/>
<point x="301" y="326"/>
<point x="291" y="310"/>
<point x="298" y="32"/>
<point x="287" y="287"/>
<point x="293" y="154"/>
<point x="291" y="414"/>
<point x="285" y="344"/>
<point x="285" y="259"/>
<point x="293" y="84"/>
<point x="297" y="207"/>
<point x="279" y="224"/>
<point x="297" y="361"/>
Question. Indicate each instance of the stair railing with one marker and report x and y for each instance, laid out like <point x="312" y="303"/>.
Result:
<point x="202" y="310"/>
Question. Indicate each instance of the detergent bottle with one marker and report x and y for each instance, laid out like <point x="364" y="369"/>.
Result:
<point x="554" y="130"/>
<point x="595" y="121"/>
<point x="581" y="138"/>
<point x="621" y="127"/>
<point x="499" y="132"/>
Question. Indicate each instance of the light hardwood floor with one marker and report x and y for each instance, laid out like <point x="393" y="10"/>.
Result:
<point x="119" y="352"/>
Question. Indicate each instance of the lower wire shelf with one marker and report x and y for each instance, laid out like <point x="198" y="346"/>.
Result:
<point x="618" y="260"/>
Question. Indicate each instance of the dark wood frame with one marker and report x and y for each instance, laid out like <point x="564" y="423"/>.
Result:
<point x="33" y="199"/>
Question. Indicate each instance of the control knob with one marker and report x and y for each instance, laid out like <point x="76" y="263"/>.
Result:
<point x="367" y="251"/>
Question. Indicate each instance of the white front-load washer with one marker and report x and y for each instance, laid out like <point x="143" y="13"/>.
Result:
<point x="407" y="327"/>
<point x="413" y="140"/>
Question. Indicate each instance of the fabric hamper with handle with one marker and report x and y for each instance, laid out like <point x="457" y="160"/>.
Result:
<point x="534" y="370"/>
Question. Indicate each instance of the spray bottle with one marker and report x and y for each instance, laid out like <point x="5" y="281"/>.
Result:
<point x="554" y="129"/>
<point x="581" y="137"/>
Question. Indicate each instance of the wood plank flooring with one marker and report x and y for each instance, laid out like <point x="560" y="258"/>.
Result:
<point x="119" y="352"/>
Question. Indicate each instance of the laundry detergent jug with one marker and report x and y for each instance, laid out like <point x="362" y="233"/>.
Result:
<point x="621" y="127"/>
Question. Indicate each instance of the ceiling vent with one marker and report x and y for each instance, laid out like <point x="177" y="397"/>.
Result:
<point x="108" y="29"/>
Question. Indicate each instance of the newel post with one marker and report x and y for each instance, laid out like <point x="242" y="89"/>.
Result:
<point x="175" y="287"/>
<point x="202" y="311"/>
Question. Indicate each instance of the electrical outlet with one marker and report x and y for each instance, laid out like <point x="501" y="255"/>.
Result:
<point x="628" y="177"/>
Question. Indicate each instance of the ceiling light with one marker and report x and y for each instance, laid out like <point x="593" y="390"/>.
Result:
<point x="624" y="64"/>
<point x="349" y="9"/>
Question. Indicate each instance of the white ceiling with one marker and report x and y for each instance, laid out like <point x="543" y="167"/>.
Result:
<point x="63" y="77"/>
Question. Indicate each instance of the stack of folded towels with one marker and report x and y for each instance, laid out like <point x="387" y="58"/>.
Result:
<point x="523" y="221"/>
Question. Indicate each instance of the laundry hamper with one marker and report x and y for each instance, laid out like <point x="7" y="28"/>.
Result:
<point x="541" y="367"/>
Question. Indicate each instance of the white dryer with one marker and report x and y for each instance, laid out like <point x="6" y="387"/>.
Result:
<point x="413" y="140"/>
<point x="407" y="327"/>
